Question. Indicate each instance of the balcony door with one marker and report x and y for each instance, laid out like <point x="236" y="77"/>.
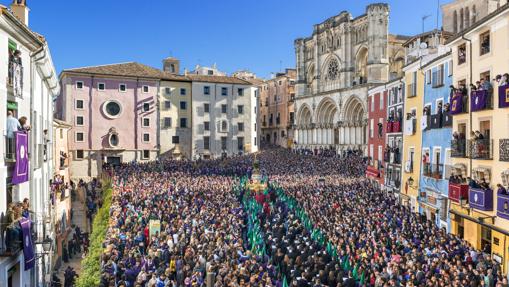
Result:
<point x="484" y="128"/>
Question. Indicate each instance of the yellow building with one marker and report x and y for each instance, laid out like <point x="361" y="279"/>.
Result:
<point x="175" y="112"/>
<point x="412" y="135"/>
<point x="482" y="216"/>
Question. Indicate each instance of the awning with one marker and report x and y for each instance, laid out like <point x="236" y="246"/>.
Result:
<point x="476" y="220"/>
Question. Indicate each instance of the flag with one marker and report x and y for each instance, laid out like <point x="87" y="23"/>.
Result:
<point x="20" y="174"/>
<point x="28" y="248"/>
<point x="409" y="127"/>
<point x="503" y="96"/>
<point x="479" y="100"/>
<point x="457" y="104"/>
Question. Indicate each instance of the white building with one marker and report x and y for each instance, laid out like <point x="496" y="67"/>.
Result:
<point x="336" y="65"/>
<point x="208" y="71"/>
<point x="223" y="117"/>
<point x="28" y="85"/>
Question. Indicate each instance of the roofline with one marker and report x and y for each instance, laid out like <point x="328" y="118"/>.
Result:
<point x="5" y="11"/>
<point x="68" y="73"/>
<point x="95" y="66"/>
<point x="479" y="23"/>
<point x="431" y="32"/>
<point x="391" y="82"/>
<point x="441" y="57"/>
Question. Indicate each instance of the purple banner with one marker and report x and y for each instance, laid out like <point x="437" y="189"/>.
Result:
<point x="457" y="104"/>
<point x="503" y="206"/>
<point x="481" y="199"/>
<point x="503" y="96"/>
<point x="28" y="247"/>
<point x="21" y="168"/>
<point x="479" y="100"/>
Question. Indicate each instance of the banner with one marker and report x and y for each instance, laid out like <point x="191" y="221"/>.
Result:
<point x="503" y="96"/>
<point x="503" y="206"/>
<point x="481" y="199"/>
<point x="409" y="127"/>
<point x="479" y="100"/>
<point x="424" y="122"/>
<point x="153" y="227"/>
<point x="28" y="247"/>
<point x="457" y="104"/>
<point x="20" y="174"/>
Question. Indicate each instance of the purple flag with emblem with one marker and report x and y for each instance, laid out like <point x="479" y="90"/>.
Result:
<point x="28" y="247"/>
<point x="503" y="96"/>
<point x="456" y="103"/>
<point x="20" y="174"/>
<point x="479" y="100"/>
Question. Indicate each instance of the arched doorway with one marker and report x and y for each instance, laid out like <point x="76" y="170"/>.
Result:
<point x="304" y="126"/>
<point x="325" y="118"/>
<point x="361" y="66"/>
<point x="354" y="123"/>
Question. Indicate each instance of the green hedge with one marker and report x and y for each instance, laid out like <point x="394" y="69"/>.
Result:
<point x="91" y="272"/>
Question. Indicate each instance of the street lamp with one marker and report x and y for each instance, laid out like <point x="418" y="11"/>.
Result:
<point x="47" y="244"/>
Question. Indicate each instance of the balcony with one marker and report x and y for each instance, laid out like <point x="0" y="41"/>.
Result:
<point x="412" y="90"/>
<point x="503" y="148"/>
<point x="439" y="121"/>
<point x="481" y="199"/>
<point x="480" y="100"/>
<point x="458" y="192"/>
<point x="393" y="127"/>
<point x="503" y="205"/>
<point x="481" y="149"/>
<point x="435" y="171"/>
<point x="10" y="149"/>
<point x="459" y="148"/>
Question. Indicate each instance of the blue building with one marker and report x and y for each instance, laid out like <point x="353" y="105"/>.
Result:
<point x="436" y="141"/>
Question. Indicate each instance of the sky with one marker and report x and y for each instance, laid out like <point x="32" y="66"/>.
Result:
<point x="256" y="35"/>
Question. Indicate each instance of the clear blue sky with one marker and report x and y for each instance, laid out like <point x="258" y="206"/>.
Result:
<point x="236" y="34"/>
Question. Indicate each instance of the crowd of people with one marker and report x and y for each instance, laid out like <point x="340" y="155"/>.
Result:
<point x="182" y="223"/>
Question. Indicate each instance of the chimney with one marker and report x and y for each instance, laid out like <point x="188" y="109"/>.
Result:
<point x="20" y="10"/>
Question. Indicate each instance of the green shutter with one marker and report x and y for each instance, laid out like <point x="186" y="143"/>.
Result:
<point x="12" y="45"/>
<point x="12" y="106"/>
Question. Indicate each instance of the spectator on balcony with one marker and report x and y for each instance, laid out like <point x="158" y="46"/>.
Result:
<point x="484" y="185"/>
<point x="478" y="135"/>
<point x="504" y="80"/>
<point x="13" y="125"/>
<point x="24" y="125"/>
<point x="472" y="183"/>
<point x="426" y="163"/>
<point x="501" y="189"/>
<point x="426" y="111"/>
<point x="473" y="87"/>
<point x="380" y="130"/>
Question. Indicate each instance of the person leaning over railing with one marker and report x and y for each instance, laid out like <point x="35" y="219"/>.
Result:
<point x="501" y="189"/>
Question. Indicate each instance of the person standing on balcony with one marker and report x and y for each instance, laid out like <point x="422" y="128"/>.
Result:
<point x="13" y="125"/>
<point x="501" y="189"/>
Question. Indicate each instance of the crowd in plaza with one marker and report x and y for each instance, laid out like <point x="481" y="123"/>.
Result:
<point x="320" y="223"/>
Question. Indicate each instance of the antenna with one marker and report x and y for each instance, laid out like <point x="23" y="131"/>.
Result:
<point x="424" y="19"/>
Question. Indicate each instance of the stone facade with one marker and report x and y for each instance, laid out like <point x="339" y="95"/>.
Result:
<point x="277" y="97"/>
<point x="336" y="66"/>
<point x="460" y="15"/>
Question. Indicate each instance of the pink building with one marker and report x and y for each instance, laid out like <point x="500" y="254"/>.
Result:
<point x="113" y="112"/>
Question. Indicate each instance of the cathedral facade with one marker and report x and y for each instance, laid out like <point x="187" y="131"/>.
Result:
<point x="336" y="66"/>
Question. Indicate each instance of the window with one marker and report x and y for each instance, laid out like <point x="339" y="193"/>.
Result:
<point x="80" y="137"/>
<point x="210" y="72"/>
<point x="380" y="153"/>
<point x="381" y="101"/>
<point x="372" y="98"/>
<point x="167" y="122"/>
<point x="279" y="83"/>
<point x="224" y="126"/>
<point x="206" y="108"/>
<point x="145" y="89"/>
<point x="240" y="109"/>
<point x="206" y="126"/>
<point x="183" y="122"/>
<point x="122" y="87"/>
<point x="240" y="127"/>
<point x="79" y="85"/>
<point x="224" y="91"/>
<point x="183" y="91"/>
<point x="438" y="76"/>
<point x="112" y="109"/>
<point x="80" y="154"/>
<point x="79" y="104"/>
<point x="145" y="154"/>
<point x="240" y="92"/>
<point x="428" y="76"/>
<point x="462" y="54"/>
<point x="240" y="143"/>
<point x="101" y="86"/>
<point x="175" y="139"/>
<point x="371" y="127"/>
<point x="79" y="120"/>
<point x="206" y="90"/>
<point x="223" y="143"/>
<point x="206" y="143"/>
<point x="485" y="43"/>
<point x="167" y="91"/>
<point x="167" y="105"/>
<point x="146" y="122"/>
<point x="146" y="107"/>
<point x="146" y="137"/>
<point x="183" y="105"/>
<point x="224" y="109"/>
